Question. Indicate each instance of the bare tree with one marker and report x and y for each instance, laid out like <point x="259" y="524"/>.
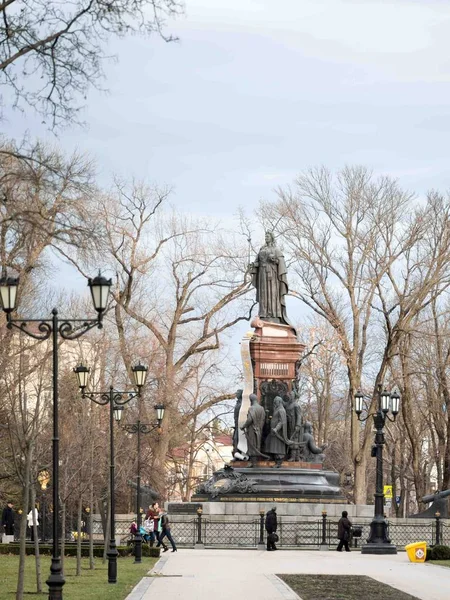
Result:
<point x="407" y="291"/>
<point x="26" y="415"/>
<point x="52" y="52"/>
<point x="180" y="289"/>
<point x="342" y="235"/>
<point x="421" y="367"/>
<point x="322" y="381"/>
<point x="195" y="423"/>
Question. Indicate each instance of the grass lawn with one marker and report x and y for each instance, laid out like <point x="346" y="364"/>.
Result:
<point x="342" y="587"/>
<point x="90" y="585"/>
<point x="443" y="563"/>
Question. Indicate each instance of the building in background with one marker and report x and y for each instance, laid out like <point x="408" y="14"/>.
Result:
<point x="190" y="464"/>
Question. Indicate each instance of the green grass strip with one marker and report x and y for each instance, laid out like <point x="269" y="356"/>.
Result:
<point x="90" y="585"/>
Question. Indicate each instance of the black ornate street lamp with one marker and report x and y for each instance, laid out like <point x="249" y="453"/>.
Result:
<point x="68" y="329"/>
<point x="140" y="428"/>
<point x="116" y="401"/>
<point x="378" y="541"/>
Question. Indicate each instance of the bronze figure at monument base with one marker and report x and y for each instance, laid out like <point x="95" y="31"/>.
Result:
<point x="286" y="499"/>
<point x="263" y="483"/>
<point x="242" y="464"/>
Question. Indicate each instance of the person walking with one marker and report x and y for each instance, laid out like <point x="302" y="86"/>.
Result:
<point x="8" y="523"/>
<point x="154" y="512"/>
<point x="271" y="527"/>
<point x="165" y="532"/>
<point x="344" y="530"/>
<point x="149" y="527"/>
<point x="30" y="521"/>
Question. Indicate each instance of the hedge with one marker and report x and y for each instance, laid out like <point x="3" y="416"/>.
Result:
<point x="71" y="550"/>
<point x="439" y="553"/>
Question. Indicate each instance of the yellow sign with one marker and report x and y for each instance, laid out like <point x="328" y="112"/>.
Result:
<point x="387" y="489"/>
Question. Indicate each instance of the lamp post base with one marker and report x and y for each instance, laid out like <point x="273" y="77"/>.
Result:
<point x="379" y="542"/>
<point x="138" y="548"/>
<point x="112" y="555"/>
<point x="56" y="580"/>
<point x="379" y="548"/>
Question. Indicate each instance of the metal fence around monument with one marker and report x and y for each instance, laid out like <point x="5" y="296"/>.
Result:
<point x="402" y="534"/>
<point x="184" y="532"/>
<point x="237" y="535"/>
<point x="292" y="533"/>
<point x="445" y="530"/>
<point x="299" y="533"/>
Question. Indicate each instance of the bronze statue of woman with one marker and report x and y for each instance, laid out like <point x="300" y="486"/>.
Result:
<point x="269" y="277"/>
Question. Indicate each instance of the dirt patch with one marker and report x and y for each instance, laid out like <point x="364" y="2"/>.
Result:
<point x="342" y="587"/>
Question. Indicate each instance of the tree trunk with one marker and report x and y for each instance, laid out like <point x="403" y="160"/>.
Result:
<point x="91" y="525"/>
<point x="360" y="485"/>
<point x="107" y="532"/>
<point x="159" y="457"/>
<point x="402" y="478"/>
<point x="23" y="524"/>
<point x="395" y="506"/>
<point x="190" y="465"/>
<point x="63" y="534"/>
<point x="414" y="438"/>
<point x="358" y="455"/>
<point x="102" y="509"/>
<point x="37" y="555"/>
<point x="79" y="515"/>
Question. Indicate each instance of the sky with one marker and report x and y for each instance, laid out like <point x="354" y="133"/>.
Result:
<point x="256" y="91"/>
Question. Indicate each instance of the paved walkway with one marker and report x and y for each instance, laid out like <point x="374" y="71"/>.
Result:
<point x="250" y="574"/>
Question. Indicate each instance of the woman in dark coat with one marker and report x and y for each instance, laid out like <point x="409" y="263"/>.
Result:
<point x="8" y="519"/>
<point x="344" y="528"/>
<point x="165" y="532"/>
<point x="271" y="527"/>
<point x="154" y="512"/>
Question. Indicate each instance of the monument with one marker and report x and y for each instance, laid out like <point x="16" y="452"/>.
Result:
<point x="275" y="455"/>
<point x="439" y="500"/>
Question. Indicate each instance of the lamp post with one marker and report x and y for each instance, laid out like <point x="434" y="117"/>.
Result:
<point x="437" y="515"/>
<point x="261" y="530"/>
<point x="140" y="428"/>
<point x="378" y="541"/>
<point x="116" y="401"/>
<point x="68" y="329"/>
<point x="199" y="542"/>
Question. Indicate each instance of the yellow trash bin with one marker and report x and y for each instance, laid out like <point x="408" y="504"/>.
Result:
<point x="417" y="552"/>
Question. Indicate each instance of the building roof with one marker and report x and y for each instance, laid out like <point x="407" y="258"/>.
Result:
<point x="220" y="439"/>
<point x="223" y="439"/>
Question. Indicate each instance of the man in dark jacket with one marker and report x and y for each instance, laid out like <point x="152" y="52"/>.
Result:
<point x="344" y="531"/>
<point x="8" y="519"/>
<point x="271" y="527"/>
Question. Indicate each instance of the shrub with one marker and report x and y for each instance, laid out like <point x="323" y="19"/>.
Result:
<point x="154" y="552"/>
<point x="146" y="551"/>
<point x="440" y="553"/>
<point x="71" y="550"/>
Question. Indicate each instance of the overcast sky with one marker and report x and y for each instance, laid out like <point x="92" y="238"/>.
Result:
<point x="257" y="90"/>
